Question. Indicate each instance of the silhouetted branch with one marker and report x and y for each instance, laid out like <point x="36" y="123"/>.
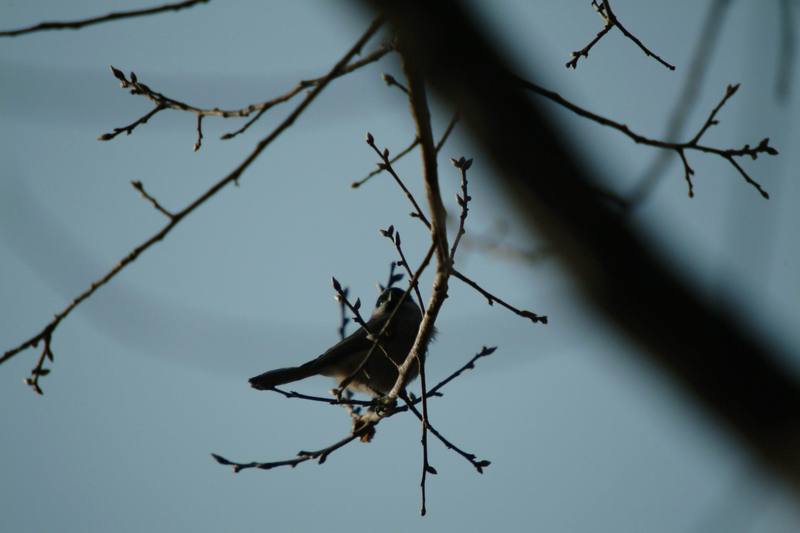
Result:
<point x="707" y="40"/>
<point x="163" y="102"/>
<point x="604" y="10"/>
<point x="321" y="399"/>
<point x="380" y="168"/>
<point x="394" y="236"/>
<point x="479" y="465"/>
<point x="727" y="154"/>
<point x="233" y="176"/>
<point x="320" y="455"/>
<point x="463" y="199"/>
<point x="139" y="187"/>
<point x="418" y="213"/>
<point x="387" y="166"/>
<point x="366" y="428"/>
<point x="376" y="337"/>
<point x="76" y="24"/>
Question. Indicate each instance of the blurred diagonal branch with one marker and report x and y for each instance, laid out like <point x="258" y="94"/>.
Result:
<point x="76" y="24"/>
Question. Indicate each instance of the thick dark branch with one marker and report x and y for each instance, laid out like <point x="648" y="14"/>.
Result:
<point x="76" y="24"/>
<point x="232" y="177"/>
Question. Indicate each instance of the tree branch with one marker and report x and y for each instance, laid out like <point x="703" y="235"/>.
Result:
<point x="163" y="102"/>
<point x="233" y="176"/>
<point x="76" y="24"/>
<point x="611" y="20"/>
<point x="708" y="38"/>
<point x="727" y="154"/>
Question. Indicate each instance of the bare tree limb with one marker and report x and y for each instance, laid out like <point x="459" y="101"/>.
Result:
<point x="76" y="24"/>
<point x="611" y="20"/>
<point x="176" y="218"/>
<point x="703" y="50"/>
<point x="320" y="455"/>
<point x="727" y="154"/>
<point x="163" y="102"/>
<point x="448" y="130"/>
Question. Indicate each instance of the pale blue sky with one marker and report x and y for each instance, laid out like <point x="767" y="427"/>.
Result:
<point x="150" y="375"/>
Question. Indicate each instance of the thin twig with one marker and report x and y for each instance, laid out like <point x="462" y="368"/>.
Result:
<point x="463" y="199"/>
<point x="199" y="141"/>
<point x="394" y="277"/>
<point x="728" y="154"/>
<point x="379" y="168"/>
<point x="75" y="24"/>
<point x="394" y="236"/>
<point x="343" y="313"/>
<point x="302" y="456"/>
<point x="133" y="125"/>
<point x="163" y="102"/>
<point x="392" y="82"/>
<point x="387" y="165"/>
<point x="412" y="283"/>
<point x="485" y="351"/>
<point x="576" y="55"/>
<point x="611" y="20"/>
<point x="139" y="187"/>
<point x="479" y="465"/>
<point x="368" y="427"/>
<point x="491" y="298"/>
<point x="703" y="50"/>
<point x="233" y="176"/>
<point x="330" y="401"/>
<point x="354" y="308"/>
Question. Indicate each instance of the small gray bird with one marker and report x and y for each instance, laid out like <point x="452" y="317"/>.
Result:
<point x="379" y="372"/>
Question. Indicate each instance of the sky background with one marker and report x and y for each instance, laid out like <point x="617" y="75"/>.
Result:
<point x="150" y="374"/>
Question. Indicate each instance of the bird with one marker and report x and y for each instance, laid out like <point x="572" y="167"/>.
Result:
<point x="379" y="373"/>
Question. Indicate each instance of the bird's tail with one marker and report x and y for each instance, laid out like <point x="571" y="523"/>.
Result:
<point x="280" y="376"/>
